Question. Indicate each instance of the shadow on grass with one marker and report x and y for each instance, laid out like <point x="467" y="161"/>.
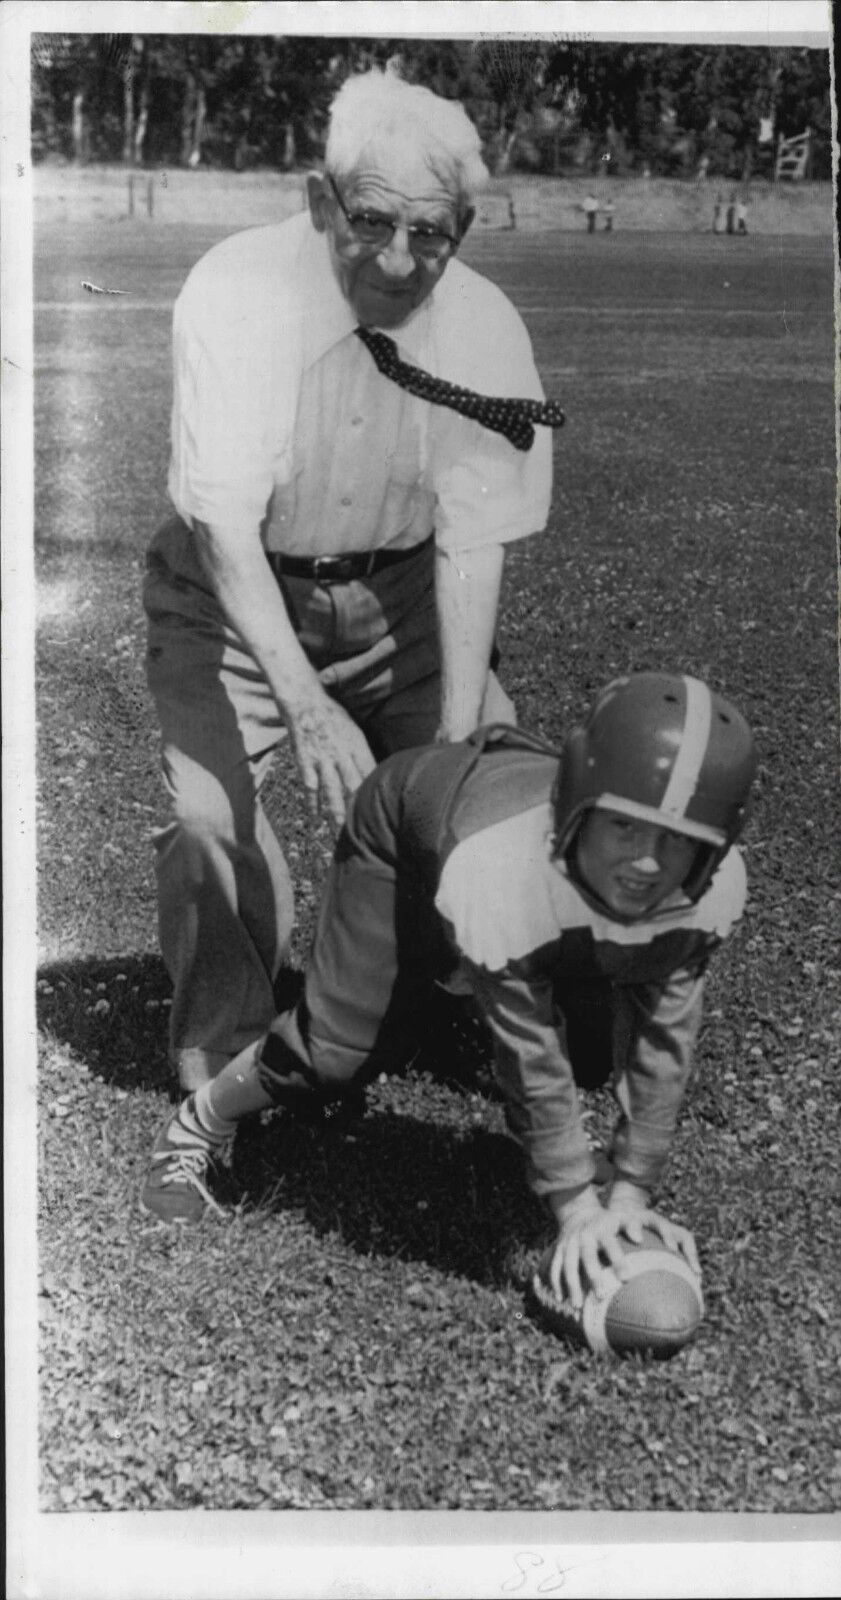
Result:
<point x="390" y="1184"/>
<point x="114" y="1013"/>
<point x="385" y="1183"/>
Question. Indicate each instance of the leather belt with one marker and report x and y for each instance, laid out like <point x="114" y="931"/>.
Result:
<point x="339" y="569"/>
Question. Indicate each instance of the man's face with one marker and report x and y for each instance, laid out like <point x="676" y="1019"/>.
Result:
<point x="632" y="865"/>
<point x="384" y="282"/>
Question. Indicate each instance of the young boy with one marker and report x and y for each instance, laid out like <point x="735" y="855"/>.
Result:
<point x="578" y="901"/>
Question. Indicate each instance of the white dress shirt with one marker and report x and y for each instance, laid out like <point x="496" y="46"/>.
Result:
<point x="282" y="421"/>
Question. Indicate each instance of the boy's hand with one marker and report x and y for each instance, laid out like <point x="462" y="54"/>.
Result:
<point x="635" y="1216"/>
<point x="590" y="1236"/>
<point x="588" y="1247"/>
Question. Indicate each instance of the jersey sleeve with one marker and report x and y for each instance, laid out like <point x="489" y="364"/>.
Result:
<point x="661" y="1024"/>
<point x="532" y="1069"/>
<point x="722" y="906"/>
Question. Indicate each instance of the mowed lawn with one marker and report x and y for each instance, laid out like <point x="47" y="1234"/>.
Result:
<point x="355" y="1336"/>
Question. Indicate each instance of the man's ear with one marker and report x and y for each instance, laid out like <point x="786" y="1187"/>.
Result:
<point x="465" y="221"/>
<point x="317" y="198"/>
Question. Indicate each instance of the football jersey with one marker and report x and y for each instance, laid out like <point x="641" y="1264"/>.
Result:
<point x="471" y="827"/>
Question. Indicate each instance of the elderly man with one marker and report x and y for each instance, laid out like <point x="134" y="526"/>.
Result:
<point x="333" y="570"/>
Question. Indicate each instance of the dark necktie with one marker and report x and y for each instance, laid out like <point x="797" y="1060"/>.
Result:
<point x="513" y="418"/>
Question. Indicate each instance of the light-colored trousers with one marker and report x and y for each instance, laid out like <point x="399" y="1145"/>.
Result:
<point x="225" y="896"/>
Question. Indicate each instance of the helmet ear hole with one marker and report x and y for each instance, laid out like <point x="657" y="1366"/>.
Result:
<point x="570" y="844"/>
<point x="706" y="860"/>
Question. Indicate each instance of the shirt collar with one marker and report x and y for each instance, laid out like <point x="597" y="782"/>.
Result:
<point x="334" y="319"/>
<point x="330" y="317"/>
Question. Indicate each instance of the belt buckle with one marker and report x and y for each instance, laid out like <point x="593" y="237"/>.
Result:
<point x="326" y="567"/>
<point x="338" y="569"/>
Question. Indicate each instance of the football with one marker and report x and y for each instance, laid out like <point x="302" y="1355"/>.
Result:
<point x="655" y="1311"/>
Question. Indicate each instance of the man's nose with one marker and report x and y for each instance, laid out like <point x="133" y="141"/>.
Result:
<point x="396" y="257"/>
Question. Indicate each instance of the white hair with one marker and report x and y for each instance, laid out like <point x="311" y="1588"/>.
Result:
<point x="376" y="111"/>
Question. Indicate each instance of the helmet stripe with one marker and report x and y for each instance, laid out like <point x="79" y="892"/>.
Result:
<point x="693" y="748"/>
<point x="632" y="808"/>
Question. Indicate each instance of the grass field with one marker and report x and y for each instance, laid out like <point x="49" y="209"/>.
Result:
<point x="354" y="1338"/>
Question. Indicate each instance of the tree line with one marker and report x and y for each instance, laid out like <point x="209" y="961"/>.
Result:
<point x="540" y="105"/>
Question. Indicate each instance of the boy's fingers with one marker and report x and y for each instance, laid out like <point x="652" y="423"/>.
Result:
<point x="572" y="1273"/>
<point x="616" y="1256"/>
<point x="555" y="1272"/>
<point x="663" y="1229"/>
<point x="687" y="1245"/>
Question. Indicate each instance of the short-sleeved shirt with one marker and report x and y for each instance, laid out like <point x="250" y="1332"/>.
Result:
<point x="282" y="421"/>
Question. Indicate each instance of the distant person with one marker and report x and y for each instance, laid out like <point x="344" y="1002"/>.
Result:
<point x="579" y="900"/>
<point x="332" y="572"/>
<point x="590" y="208"/>
<point x="741" y="217"/>
<point x="718" y="214"/>
<point x="731" y="213"/>
<point x="608" y="216"/>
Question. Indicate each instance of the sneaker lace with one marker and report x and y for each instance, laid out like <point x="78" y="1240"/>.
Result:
<point x="188" y="1166"/>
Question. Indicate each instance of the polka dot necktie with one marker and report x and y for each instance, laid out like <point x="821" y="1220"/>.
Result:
<point x="513" y="418"/>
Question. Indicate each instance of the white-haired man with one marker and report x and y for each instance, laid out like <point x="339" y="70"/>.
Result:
<point x="333" y="569"/>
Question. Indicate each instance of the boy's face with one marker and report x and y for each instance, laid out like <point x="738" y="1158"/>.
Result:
<point x="630" y="864"/>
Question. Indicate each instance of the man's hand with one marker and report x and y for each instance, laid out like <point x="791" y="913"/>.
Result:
<point x="332" y="753"/>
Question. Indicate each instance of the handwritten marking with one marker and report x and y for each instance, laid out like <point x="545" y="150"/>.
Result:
<point x="554" y="1579"/>
<point x="94" y="288"/>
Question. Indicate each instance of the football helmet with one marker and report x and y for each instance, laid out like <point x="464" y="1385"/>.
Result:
<point x="665" y="748"/>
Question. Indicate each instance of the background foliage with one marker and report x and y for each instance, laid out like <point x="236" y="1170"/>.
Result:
<point x="540" y="105"/>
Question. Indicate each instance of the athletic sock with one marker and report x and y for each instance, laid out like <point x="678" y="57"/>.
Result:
<point x="214" y="1127"/>
<point x="190" y="1128"/>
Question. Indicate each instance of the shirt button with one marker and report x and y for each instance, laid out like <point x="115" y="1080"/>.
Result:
<point x="347" y="500"/>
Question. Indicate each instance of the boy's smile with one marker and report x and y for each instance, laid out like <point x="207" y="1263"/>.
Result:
<point x="630" y="864"/>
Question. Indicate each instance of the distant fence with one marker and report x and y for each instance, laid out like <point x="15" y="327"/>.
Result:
<point x="95" y="195"/>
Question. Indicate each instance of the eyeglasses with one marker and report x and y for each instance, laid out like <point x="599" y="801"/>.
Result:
<point x="372" y="228"/>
